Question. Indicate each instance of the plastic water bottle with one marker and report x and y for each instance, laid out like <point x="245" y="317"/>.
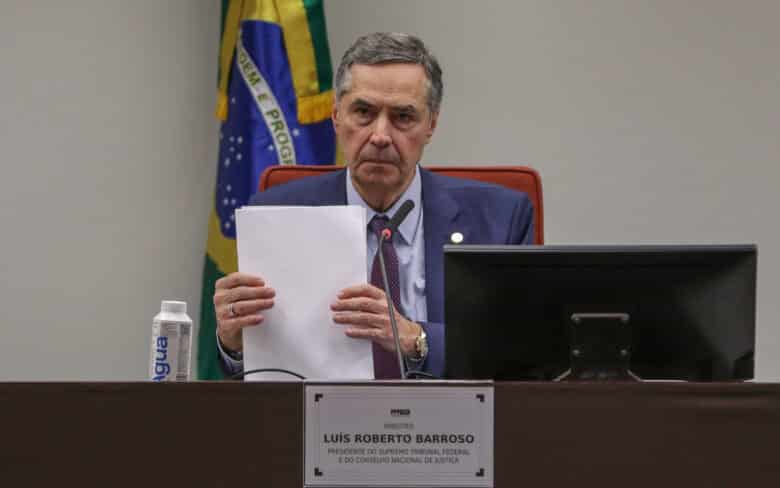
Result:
<point x="171" y="343"/>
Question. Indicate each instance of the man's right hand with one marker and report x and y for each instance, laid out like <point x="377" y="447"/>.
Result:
<point x="238" y="300"/>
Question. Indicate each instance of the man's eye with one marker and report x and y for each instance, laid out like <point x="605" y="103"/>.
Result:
<point x="405" y="117"/>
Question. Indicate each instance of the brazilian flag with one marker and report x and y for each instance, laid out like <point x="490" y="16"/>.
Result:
<point x="274" y="102"/>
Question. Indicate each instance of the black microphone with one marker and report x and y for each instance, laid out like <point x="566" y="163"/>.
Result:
<point x="387" y="233"/>
<point x="399" y="217"/>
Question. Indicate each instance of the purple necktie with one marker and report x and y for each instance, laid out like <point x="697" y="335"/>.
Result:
<point x="385" y="362"/>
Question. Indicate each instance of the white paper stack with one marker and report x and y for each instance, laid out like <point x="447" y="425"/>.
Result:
<point x="306" y="254"/>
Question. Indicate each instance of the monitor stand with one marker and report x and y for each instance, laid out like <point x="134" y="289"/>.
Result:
<point x="600" y="348"/>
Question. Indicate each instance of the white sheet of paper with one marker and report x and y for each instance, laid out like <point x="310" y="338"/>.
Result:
<point x="307" y="255"/>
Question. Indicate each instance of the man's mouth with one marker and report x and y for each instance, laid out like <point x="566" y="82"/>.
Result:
<point x="378" y="161"/>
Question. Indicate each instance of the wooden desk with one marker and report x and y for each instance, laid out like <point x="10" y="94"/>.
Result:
<point x="562" y="434"/>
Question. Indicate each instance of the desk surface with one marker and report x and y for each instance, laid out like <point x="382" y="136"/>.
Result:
<point x="546" y="434"/>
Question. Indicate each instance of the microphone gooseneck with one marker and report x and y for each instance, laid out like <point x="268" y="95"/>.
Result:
<point x="387" y="233"/>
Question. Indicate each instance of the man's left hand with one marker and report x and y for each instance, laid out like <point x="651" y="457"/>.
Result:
<point x="364" y="309"/>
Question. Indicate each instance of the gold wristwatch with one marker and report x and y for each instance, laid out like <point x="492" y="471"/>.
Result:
<point x="421" y="346"/>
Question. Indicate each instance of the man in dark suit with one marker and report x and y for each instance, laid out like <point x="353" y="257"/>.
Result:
<point x="388" y="94"/>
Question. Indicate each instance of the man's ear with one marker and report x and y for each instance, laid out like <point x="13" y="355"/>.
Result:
<point x="432" y="126"/>
<point x="334" y="115"/>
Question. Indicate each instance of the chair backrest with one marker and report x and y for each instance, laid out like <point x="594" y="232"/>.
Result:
<point x="520" y="178"/>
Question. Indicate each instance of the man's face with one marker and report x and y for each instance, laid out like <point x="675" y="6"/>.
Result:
<point x="383" y="123"/>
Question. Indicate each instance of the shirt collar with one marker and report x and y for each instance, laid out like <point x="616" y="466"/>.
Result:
<point x="408" y="227"/>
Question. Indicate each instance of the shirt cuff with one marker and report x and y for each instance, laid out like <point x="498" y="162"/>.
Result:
<point x="232" y="366"/>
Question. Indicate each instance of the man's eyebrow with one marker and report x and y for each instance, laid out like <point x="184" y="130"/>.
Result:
<point x="405" y="108"/>
<point x="361" y="102"/>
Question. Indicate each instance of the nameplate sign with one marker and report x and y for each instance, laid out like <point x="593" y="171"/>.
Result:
<point x="375" y="434"/>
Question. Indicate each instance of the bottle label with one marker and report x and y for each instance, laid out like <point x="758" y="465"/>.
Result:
<point x="165" y="352"/>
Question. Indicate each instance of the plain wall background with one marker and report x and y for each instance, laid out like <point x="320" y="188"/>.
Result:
<point x="108" y="169"/>
<point x="650" y="122"/>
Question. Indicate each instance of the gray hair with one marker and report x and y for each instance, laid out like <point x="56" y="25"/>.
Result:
<point x="384" y="47"/>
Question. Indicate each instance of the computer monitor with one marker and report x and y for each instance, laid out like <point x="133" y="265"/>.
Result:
<point x="600" y="312"/>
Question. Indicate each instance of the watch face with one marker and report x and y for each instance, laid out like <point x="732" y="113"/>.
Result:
<point x="421" y="345"/>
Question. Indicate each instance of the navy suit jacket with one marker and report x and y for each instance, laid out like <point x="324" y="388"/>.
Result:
<point x="483" y="213"/>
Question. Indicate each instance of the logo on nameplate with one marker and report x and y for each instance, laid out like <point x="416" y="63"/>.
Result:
<point x="400" y="412"/>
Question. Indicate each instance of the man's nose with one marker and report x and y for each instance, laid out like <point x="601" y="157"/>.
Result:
<point x="380" y="136"/>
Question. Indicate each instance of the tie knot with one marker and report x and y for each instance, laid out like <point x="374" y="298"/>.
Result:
<point x="378" y="224"/>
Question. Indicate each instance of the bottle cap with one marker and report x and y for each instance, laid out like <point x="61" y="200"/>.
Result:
<point x="171" y="306"/>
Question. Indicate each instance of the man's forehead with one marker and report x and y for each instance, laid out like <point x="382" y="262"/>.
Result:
<point x="398" y="105"/>
<point x="395" y="83"/>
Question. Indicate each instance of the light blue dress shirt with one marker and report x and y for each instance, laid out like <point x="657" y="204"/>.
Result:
<point x="409" y="244"/>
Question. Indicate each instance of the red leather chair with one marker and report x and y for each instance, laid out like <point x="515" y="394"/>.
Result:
<point x="519" y="178"/>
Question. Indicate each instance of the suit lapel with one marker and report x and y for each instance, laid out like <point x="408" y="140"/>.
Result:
<point x="439" y="222"/>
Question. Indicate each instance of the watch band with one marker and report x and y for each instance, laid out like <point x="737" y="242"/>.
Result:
<point x="421" y="346"/>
